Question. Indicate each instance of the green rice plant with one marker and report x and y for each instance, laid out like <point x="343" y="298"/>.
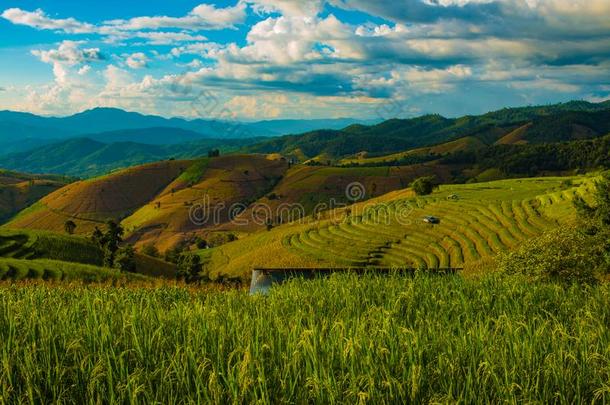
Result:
<point x="522" y="219"/>
<point x="345" y="339"/>
<point x="509" y="223"/>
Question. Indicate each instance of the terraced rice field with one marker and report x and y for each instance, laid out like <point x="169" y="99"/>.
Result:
<point x="45" y="255"/>
<point x="16" y="246"/>
<point x="54" y="270"/>
<point x="476" y="222"/>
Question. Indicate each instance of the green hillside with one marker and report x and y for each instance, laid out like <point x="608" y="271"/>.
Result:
<point x="543" y="125"/>
<point x="48" y="245"/>
<point x="84" y="157"/>
<point x="48" y="256"/>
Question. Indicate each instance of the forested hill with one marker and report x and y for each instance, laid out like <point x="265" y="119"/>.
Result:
<point x="561" y="122"/>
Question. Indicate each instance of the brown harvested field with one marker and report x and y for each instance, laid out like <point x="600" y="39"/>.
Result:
<point x="468" y="143"/>
<point x="516" y="137"/>
<point x="463" y="144"/>
<point x="91" y="202"/>
<point x="310" y="186"/>
<point x="20" y="191"/>
<point x="223" y="181"/>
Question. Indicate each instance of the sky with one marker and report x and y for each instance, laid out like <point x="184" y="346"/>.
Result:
<point x="276" y="59"/>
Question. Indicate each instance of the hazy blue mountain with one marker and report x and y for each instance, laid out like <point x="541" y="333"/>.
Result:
<point x="285" y="127"/>
<point x="16" y="125"/>
<point x="151" y="136"/>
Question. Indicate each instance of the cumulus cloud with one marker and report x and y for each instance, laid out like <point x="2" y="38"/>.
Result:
<point x="40" y="20"/>
<point x="67" y="55"/>
<point x="84" y="70"/>
<point x="137" y="60"/>
<point x="202" y="17"/>
<point x="70" y="53"/>
<point x="306" y="52"/>
<point x="308" y="8"/>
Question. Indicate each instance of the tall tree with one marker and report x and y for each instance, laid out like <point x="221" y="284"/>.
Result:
<point x="111" y="241"/>
<point x="69" y="227"/>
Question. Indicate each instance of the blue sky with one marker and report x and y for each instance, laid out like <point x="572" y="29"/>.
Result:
<point x="265" y="59"/>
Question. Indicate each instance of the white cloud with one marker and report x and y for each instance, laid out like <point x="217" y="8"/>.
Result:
<point x="68" y="54"/>
<point x="38" y="19"/>
<point x="194" y="64"/>
<point x="267" y="106"/>
<point x="84" y="70"/>
<point x="202" y="17"/>
<point x="137" y="60"/>
<point x="116" y="78"/>
<point x="291" y="8"/>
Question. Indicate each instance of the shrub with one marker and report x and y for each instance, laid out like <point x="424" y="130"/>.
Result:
<point x="150" y="250"/>
<point x="424" y="185"/>
<point x="70" y="227"/>
<point x="125" y="259"/>
<point x="173" y="255"/>
<point x="201" y="243"/>
<point x="189" y="267"/>
<point x="563" y="254"/>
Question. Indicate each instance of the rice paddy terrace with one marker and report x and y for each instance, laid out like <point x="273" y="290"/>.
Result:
<point x="47" y="255"/>
<point x="474" y="224"/>
<point x="55" y="270"/>
<point x="477" y="221"/>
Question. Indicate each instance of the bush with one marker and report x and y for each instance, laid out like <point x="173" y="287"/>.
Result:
<point x="70" y="227"/>
<point x="189" y="267"/>
<point x="150" y="250"/>
<point x="567" y="253"/>
<point x="173" y="255"/>
<point x="125" y="259"/>
<point x="424" y="185"/>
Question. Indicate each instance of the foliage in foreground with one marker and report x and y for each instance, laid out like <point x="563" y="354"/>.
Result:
<point x="347" y="340"/>
<point x="578" y="252"/>
<point x="566" y="253"/>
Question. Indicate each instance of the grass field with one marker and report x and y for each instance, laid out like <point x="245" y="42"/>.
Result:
<point x="342" y="340"/>
<point x="477" y="221"/>
<point x="48" y="245"/>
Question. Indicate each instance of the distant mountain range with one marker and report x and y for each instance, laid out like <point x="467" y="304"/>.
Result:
<point x="110" y="139"/>
<point x="22" y="131"/>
